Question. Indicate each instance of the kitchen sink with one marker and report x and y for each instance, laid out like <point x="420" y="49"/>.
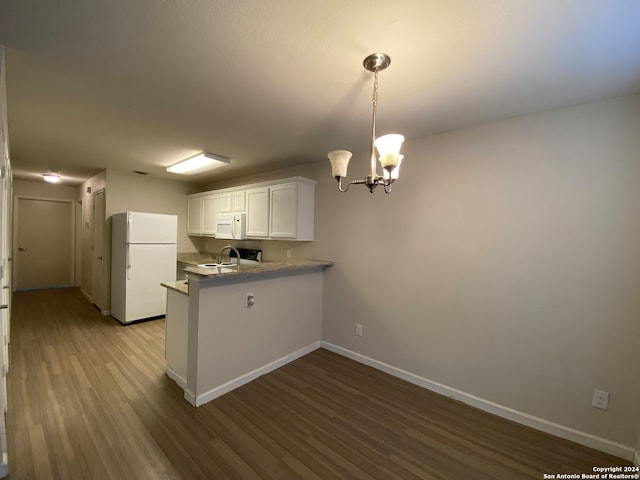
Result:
<point x="220" y="267"/>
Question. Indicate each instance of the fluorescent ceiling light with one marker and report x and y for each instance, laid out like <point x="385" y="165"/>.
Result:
<point x="51" y="177"/>
<point x="200" y="163"/>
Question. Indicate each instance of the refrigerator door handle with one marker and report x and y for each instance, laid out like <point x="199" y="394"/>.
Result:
<point x="128" y="263"/>
<point x="128" y="231"/>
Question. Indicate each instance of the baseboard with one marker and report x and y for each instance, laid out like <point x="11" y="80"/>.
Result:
<point x="537" y="423"/>
<point x="173" y="375"/>
<point x="216" y="392"/>
<point x="86" y="295"/>
<point x="190" y="397"/>
<point x="4" y="466"/>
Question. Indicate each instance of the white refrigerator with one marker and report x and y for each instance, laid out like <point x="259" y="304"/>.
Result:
<point x="143" y="254"/>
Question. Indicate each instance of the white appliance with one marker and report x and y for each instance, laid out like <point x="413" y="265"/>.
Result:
<point x="143" y="254"/>
<point x="231" y="225"/>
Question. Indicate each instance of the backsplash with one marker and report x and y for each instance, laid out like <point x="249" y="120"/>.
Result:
<point x="272" y="250"/>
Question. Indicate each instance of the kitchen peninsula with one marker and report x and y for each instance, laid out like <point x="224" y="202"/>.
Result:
<point x="227" y="327"/>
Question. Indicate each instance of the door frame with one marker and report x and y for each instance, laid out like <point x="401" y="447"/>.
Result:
<point x="16" y="219"/>
<point x="101" y="302"/>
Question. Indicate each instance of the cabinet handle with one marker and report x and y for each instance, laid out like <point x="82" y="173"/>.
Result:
<point x="22" y="249"/>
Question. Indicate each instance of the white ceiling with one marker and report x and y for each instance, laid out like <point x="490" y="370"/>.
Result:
<point x="140" y="84"/>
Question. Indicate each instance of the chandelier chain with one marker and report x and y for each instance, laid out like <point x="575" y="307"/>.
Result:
<point x="374" y="96"/>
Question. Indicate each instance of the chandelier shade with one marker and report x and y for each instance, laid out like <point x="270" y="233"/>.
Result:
<point x="339" y="162"/>
<point x="389" y="149"/>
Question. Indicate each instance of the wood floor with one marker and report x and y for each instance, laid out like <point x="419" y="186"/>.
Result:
<point x="88" y="398"/>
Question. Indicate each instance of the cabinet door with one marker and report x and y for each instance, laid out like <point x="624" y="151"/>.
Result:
<point x="258" y="212"/>
<point x="194" y="215"/>
<point x="238" y="202"/>
<point x="225" y="203"/>
<point x="283" y="207"/>
<point x="210" y="208"/>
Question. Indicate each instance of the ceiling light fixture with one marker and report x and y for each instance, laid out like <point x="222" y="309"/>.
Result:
<point x="388" y="146"/>
<point x="51" y="177"/>
<point x="199" y="163"/>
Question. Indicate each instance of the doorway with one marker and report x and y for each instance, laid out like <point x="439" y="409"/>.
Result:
<point x="43" y="256"/>
<point x="97" y="260"/>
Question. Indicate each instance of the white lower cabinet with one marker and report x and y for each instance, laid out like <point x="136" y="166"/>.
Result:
<point x="176" y="338"/>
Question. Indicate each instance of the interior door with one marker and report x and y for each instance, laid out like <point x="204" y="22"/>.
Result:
<point x="44" y="256"/>
<point x="97" y="261"/>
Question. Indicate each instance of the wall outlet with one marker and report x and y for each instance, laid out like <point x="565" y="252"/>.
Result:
<point x="600" y="400"/>
<point x="251" y="300"/>
<point x="358" y="329"/>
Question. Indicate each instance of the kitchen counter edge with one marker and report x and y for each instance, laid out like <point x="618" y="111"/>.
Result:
<point x="246" y="271"/>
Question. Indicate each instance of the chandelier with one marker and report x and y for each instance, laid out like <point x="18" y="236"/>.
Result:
<point x="388" y="146"/>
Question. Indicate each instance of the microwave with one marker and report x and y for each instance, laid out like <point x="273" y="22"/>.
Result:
<point x="231" y="225"/>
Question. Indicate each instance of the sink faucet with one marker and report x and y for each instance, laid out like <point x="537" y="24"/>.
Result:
<point x="229" y="247"/>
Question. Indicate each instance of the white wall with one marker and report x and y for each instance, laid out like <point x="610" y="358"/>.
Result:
<point x="505" y="263"/>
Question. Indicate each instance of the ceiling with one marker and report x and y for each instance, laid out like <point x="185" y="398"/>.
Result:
<point x="141" y="84"/>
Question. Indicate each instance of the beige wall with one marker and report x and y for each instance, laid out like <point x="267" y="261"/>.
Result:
<point x="505" y="263"/>
<point x="44" y="190"/>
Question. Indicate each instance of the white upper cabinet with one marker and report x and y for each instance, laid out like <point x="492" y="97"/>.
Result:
<point x="258" y="212"/>
<point x="224" y="203"/>
<point x="280" y="209"/>
<point x="238" y="203"/>
<point x="291" y="211"/>
<point x="194" y="214"/>
<point x="210" y="208"/>
<point x="232" y="202"/>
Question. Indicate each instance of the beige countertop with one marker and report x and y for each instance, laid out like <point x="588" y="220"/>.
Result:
<point x="249" y="271"/>
<point x="180" y="286"/>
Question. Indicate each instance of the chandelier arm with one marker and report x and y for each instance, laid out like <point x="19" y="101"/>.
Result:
<point x="354" y="182"/>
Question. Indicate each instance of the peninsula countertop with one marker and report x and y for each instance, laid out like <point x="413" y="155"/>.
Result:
<point x="246" y="271"/>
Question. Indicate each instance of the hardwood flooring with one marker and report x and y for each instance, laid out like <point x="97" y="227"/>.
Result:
<point x="88" y="398"/>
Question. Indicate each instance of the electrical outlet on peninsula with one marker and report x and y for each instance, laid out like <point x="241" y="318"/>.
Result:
<point x="600" y="400"/>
